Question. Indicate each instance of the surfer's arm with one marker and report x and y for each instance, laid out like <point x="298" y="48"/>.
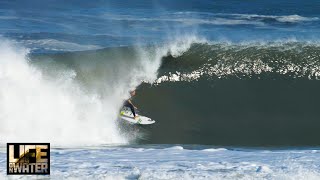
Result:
<point x="129" y="101"/>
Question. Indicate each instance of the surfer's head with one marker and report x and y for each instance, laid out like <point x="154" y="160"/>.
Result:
<point x="133" y="92"/>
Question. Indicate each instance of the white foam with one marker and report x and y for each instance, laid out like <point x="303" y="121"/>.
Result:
<point x="296" y="18"/>
<point x="226" y="65"/>
<point x="151" y="61"/>
<point x="129" y="163"/>
<point x="281" y="18"/>
<point x="215" y="149"/>
<point x="35" y="109"/>
<point x="60" y="111"/>
<point x="175" y="148"/>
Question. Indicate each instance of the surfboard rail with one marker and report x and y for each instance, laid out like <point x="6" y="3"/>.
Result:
<point x="126" y="115"/>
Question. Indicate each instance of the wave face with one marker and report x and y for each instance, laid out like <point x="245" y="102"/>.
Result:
<point x="199" y="92"/>
<point x="236" y="94"/>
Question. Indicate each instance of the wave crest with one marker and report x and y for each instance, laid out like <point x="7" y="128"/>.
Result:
<point x="253" y="60"/>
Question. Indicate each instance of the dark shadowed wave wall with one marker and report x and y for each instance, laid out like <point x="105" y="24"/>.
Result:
<point x="236" y="100"/>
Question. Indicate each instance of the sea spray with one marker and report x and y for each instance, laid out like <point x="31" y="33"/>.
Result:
<point x="74" y="98"/>
<point x="35" y="109"/>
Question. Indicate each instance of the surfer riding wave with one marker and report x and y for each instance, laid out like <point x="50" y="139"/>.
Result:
<point x="128" y="103"/>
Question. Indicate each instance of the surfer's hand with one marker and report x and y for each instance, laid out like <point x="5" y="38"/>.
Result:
<point x="135" y="107"/>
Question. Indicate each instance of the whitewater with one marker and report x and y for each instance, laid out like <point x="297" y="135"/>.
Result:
<point x="178" y="162"/>
<point x="57" y="108"/>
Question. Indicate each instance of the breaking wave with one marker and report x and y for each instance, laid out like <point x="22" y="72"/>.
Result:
<point x="73" y="98"/>
<point x="273" y="60"/>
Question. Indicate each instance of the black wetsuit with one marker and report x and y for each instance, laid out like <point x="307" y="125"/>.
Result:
<point x="127" y="104"/>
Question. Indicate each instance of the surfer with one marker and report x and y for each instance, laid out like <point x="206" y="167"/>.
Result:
<point x="130" y="105"/>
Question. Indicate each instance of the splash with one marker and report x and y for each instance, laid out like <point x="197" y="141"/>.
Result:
<point x="35" y="109"/>
<point x="62" y="109"/>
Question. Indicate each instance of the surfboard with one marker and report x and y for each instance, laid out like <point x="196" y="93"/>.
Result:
<point x="126" y="115"/>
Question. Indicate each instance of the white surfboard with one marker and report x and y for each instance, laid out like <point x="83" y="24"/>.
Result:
<point x="126" y="114"/>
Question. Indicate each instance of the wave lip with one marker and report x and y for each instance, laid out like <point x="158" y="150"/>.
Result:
<point x="286" y="59"/>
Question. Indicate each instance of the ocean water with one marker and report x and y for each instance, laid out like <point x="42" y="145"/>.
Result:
<point x="178" y="162"/>
<point x="233" y="87"/>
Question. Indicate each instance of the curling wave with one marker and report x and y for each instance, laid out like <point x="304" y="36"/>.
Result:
<point x="273" y="60"/>
<point x="73" y="98"/>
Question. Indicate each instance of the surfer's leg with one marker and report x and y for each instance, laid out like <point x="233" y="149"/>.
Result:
<point x="132" y="110"/>
<point x="127" y="104"/>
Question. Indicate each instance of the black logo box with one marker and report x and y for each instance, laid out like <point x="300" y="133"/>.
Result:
<point x="48" y="154"/>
